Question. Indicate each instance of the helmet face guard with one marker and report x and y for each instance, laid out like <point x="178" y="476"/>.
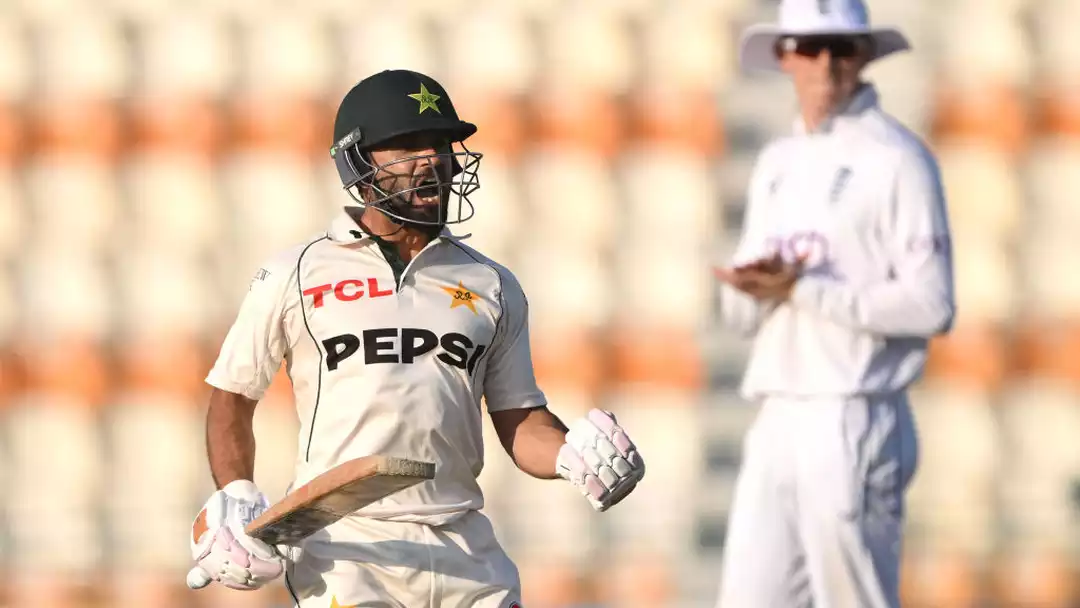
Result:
<point x="428" y="190"/>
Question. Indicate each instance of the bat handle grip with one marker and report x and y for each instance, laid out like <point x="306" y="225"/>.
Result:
<point x="197" y="578"/>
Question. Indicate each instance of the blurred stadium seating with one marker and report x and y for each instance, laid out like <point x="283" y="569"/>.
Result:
<point x="152" y="152"/>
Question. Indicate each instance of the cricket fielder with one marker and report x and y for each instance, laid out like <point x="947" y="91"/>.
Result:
<point x="842" y="275"/>
<point x="392" y="330"/>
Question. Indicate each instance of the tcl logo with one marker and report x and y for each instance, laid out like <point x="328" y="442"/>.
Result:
<point x="405" y="346"/>
<point x="347" y="291"/>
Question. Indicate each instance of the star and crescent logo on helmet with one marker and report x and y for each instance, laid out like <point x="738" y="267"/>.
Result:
<point x="427" y="100"/>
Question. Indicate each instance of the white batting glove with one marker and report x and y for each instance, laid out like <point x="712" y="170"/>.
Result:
<point x="220" y="547"/>
<point x="600" y="460"/>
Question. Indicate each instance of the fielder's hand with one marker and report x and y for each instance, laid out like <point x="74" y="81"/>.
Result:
<point x="223" y="552"/>
<point x="767" y="279"/>
<point x="600" y="460"/>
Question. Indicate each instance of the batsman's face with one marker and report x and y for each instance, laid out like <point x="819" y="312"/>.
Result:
<point x="824" y="69"/>
<point x="417" y="172"/>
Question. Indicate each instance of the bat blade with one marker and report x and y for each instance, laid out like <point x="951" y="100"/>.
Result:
<point x="335" y="494"/>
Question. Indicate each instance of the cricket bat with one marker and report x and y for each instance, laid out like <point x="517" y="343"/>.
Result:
<point x="335" y="494"/>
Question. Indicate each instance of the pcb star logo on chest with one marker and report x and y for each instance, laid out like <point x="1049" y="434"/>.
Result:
<point x="460" y="296"/>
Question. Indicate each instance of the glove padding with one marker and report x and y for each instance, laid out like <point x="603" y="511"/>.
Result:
<point x="600" y="460"/>
<point x="222" y="550"/>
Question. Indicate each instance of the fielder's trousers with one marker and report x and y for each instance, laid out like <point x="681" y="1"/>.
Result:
<point x="818" y="509"/>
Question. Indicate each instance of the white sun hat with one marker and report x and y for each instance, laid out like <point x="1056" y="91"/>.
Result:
<point x="815" y="17"/>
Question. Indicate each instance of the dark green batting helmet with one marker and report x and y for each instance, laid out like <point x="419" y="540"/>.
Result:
<point x="385" y="108"/>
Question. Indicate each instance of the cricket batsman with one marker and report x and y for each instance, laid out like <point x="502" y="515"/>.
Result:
<point x="393" y="330"/>
<point x="842" y="275"/>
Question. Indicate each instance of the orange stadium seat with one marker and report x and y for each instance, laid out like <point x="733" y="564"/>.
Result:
<point x="501" y="119"/>
<point x="1052" y="300"/>
<point x="84" y="72"/>
<point x="401" y="39"/>
<point x="676" y="104"/>
<point x="638" y="580"/>
<point x="579" y="119"/>
<point x="297" y="126"/>
<point x="671" y="200"/>
<point x="491" y="65"/>
<point x="572" y="197"/>
<point x="167" y="363"/>
<point x="185" y="63"/>
<point x="550" y="584"/>
<point x="983" y="185"/>
<point x="950" y="501"/>
<point x="973" y="355"/>
<point x="665" y="424"/>
<point x="1042" y="580"/>
<point x="14" y="212"/>
<point x="986" y="279"/>
<point x="986" y="67"/>
<point x="67" y="379"/>
<point x="75" y="200"/>
<point x="167" y="298"/>
<point x="174" y="204"/>
<point x="660" y="355"/>
<point x="538" y="521"/>
<point x="15" y="83"/>
<point x="570" y="358"/>
<point x="940" y="580"/>
<point x="685" y="119"/>
<point x="704" y="60"/>
<point x="1058" y="59"/>
<point x="1049" y="348"/>
<point x="1058" y="110"/>
<point x="13" y="133"/>
<point x="1037" y="485"/>
<point x="281" y="105"/>
<point x="151" y="493"/>
<point x="86" y="127"/>
<point x="183" y="126"/>
<point x="1051" y="180"/>
<point x="579" y="99"/>
<point x="16" y="58"/>
<point x="996" y="115"/>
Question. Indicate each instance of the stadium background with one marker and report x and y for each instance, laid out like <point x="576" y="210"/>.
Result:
<point x="153" y="152"/>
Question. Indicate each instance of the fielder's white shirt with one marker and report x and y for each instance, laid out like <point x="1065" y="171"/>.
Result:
<point x="387" y="367"/>
<point x="862" y="197"/>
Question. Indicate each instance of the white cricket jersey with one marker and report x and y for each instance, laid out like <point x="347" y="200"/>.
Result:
<point x="385" y="366"/>
<point x="862" y="198"/>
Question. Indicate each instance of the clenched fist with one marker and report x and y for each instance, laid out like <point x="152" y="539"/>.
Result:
<point x="600" y="460"/>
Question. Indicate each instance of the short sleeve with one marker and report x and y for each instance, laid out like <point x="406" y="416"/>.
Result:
<point x="510" y="382"/>
<point x="256" y="343"/>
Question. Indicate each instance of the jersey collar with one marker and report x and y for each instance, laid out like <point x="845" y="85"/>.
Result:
<point x="865" y="98"/>
<point x="345" y="231"/>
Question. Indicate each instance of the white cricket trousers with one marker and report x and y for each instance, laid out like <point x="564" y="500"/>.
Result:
<point x="366" y="563"/>
<point x="818" y="509"/>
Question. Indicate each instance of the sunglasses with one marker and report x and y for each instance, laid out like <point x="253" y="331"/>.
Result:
<point x="839" y="47"/>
